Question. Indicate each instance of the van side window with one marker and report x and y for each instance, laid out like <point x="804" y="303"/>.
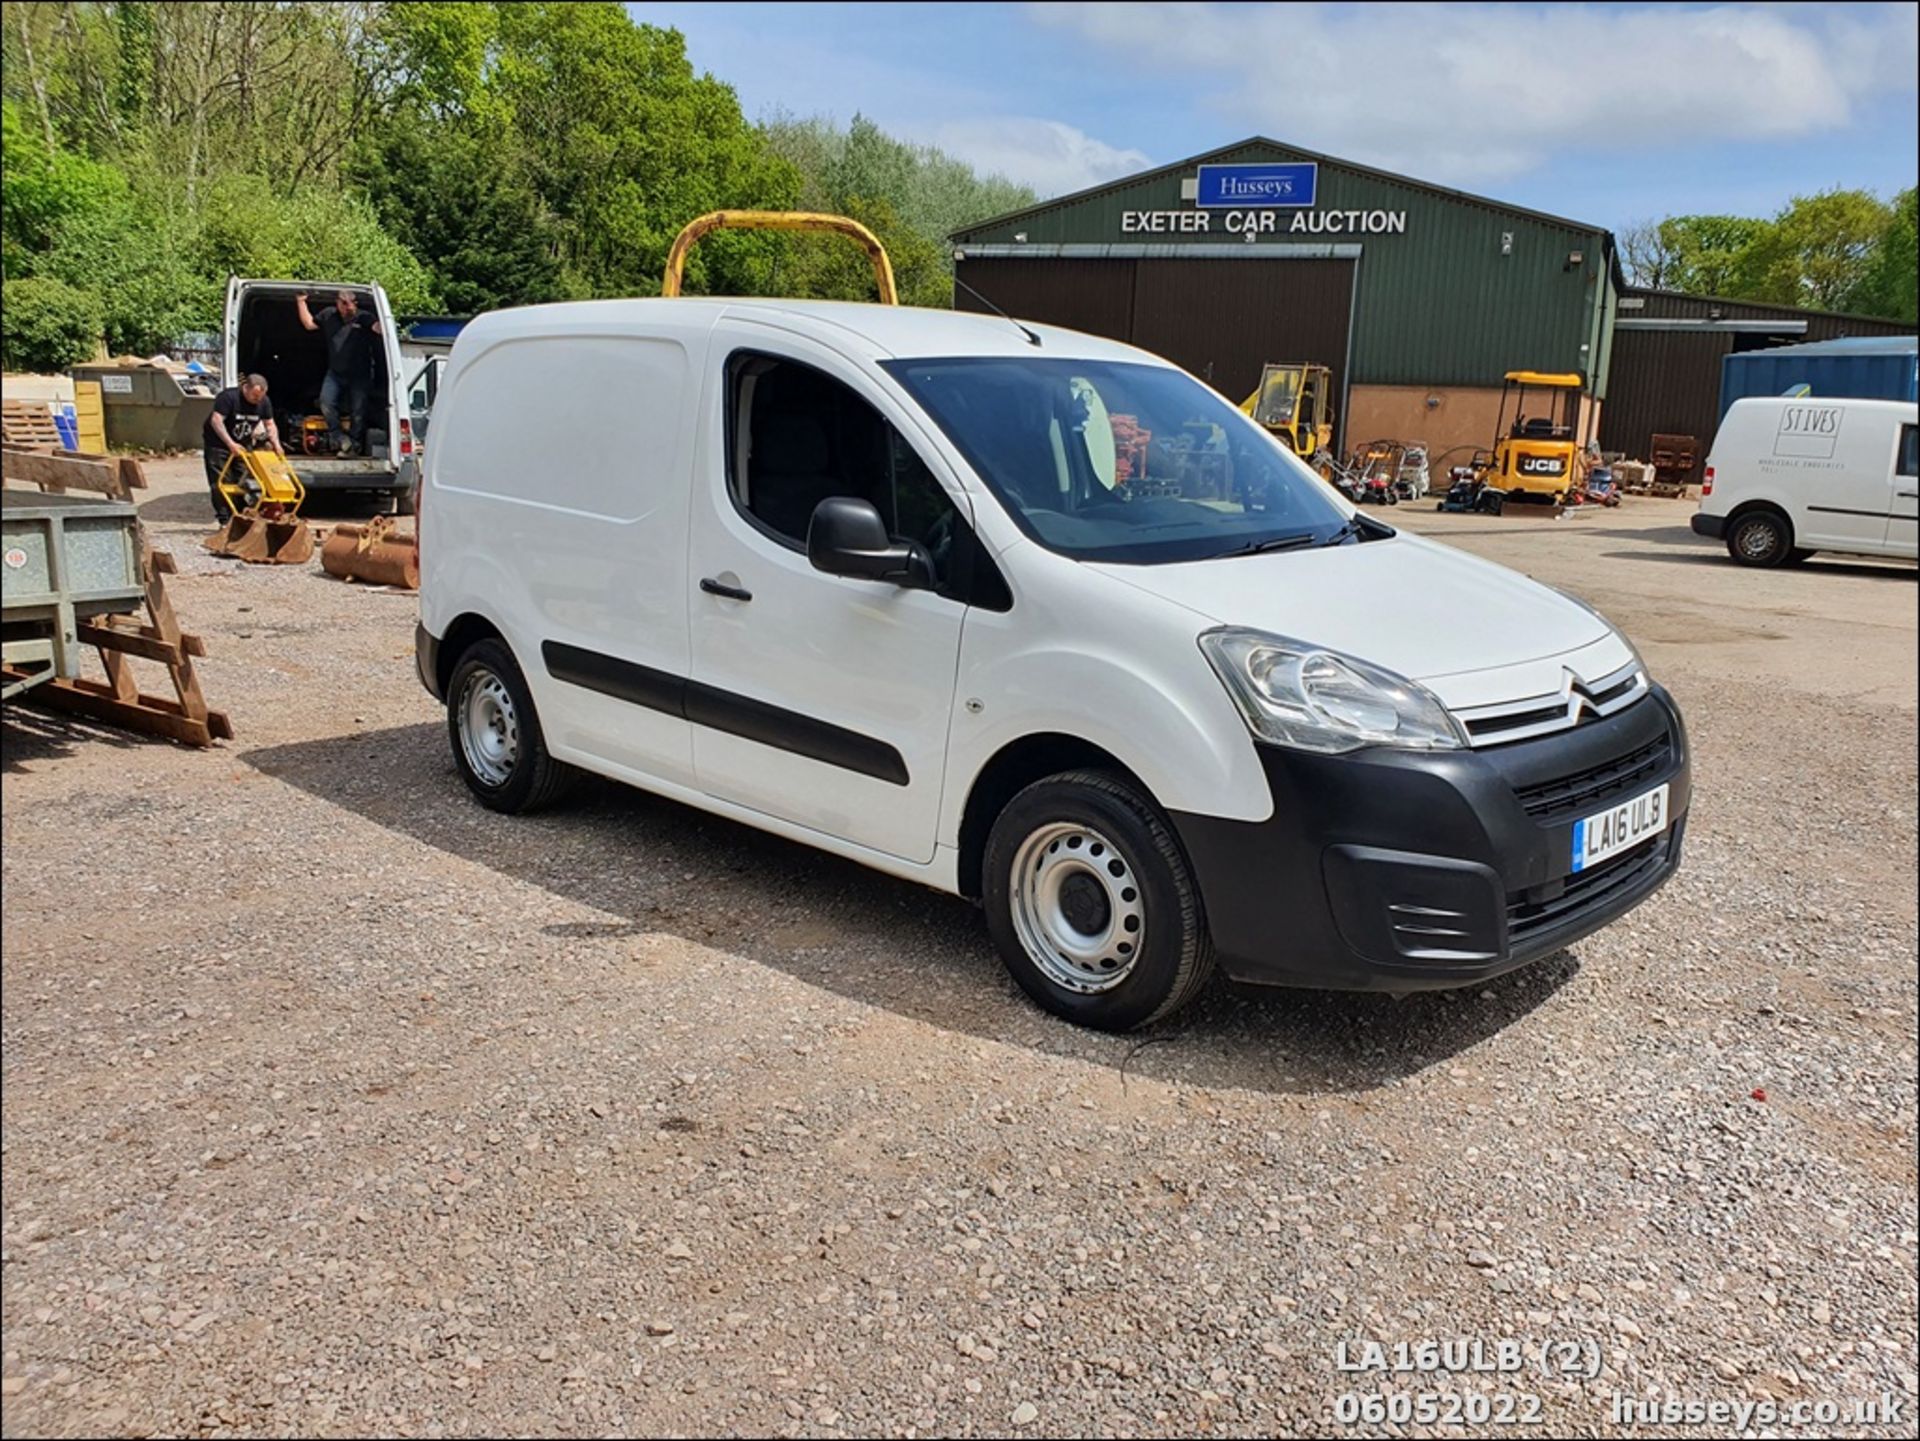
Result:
<point x="1910" y="450"/>
<point x="799" y="436"/>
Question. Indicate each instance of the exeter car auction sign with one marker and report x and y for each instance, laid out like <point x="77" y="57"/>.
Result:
<point x="1247" y="201"/>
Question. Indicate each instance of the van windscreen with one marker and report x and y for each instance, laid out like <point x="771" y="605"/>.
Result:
<point x="1109" y="461"/>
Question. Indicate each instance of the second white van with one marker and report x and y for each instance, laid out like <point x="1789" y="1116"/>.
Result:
<point x="1035" y="618"/>
<point x="1792" y="475"/>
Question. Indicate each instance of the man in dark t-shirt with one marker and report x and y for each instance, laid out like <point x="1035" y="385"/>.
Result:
<point x="241" y="419"/>
<point x="349" y="365"/>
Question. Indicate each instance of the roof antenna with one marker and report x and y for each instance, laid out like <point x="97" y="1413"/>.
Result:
<point x="1032" y="338"/>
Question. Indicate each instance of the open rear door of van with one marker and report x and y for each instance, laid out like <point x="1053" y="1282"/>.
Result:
<point x="230" y="356"/>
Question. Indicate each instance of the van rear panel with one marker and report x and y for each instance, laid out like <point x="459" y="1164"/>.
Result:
<point x="557" y="508"/>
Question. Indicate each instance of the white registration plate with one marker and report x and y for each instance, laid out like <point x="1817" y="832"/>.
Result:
<point x="1619" y="828"/>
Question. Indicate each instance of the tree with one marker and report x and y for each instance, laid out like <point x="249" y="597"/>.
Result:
<point x="1707" y="252"/>
<point x="912" y="196"/>
<point x="1646" y="257"/>
<point x="43" y="190"/>
<point x="468" y="211"/>
<point x="1888" y="288"/>
<point x="1817" y="252"/>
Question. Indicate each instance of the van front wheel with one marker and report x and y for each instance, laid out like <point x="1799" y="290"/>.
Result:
<point x="1091" y="903"/>
<point x="496" y="737"/>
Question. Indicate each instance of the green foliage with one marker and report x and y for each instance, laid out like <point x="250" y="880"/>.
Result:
<point x="314" y="235"/>
<point x="139" y="262"/>
<point x="1708" y="251"/>
<point x="1891" y="284"/>
<point x="1817" y="251"/>
<point x="476" y="221"/>
<point x="43" y="192"/>
<point x="1842" y="250"/>
<point x="464" y="156"/>
<point x="50" y="325"/>
<point x="912" y="196"/>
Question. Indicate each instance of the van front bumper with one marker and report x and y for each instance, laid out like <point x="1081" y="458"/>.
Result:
<point x="1714" y="527"/>
<point x="1415" y="870"/>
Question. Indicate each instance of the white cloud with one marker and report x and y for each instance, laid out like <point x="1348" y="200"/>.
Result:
<point x="1472" y="93"/>
<point x="1053" y="158"/>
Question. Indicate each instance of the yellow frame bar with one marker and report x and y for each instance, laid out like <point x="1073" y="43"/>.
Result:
<point x="714" y="220"/>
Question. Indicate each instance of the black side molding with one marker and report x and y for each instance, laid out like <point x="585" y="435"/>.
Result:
<point x="720" y="710"/>
<point x="623" y="680"/>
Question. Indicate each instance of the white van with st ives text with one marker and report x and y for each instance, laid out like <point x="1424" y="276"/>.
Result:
<point x="1031" y="617"/>
<point x="1792" y="475"/>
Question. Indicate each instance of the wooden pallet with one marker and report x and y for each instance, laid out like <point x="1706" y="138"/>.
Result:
<point x="28" y="422"/>
<point x="186" y="717"/>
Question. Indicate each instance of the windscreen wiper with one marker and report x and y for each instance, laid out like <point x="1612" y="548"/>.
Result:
<point x="1339" y="537"/>
<point x="1278" y="542"/>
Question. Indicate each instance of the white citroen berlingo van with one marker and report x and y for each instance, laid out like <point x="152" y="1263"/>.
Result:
<point x="1032" y="617"/>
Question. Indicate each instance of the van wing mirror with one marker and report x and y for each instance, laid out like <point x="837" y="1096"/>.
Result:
<point x="847" y="537"/>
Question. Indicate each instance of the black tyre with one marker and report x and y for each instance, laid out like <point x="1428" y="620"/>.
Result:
<point x="495" y="733"/>
<point x="1092" y="905"/>
<point x="1760" y="538"/>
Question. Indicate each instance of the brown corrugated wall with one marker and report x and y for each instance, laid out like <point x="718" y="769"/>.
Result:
<point x="1667" y="382"/>
<point x="1220" y="319"/>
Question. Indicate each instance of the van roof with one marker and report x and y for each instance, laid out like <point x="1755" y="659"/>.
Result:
<point x="1755" y="402"/>
<point x="899" y="331"/>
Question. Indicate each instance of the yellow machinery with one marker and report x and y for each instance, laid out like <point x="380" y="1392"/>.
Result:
<point x="1539" y="453"/>
<point x="778" y="220"/>
<point x="1293" y="402"/>
<point x="265" y="497"/>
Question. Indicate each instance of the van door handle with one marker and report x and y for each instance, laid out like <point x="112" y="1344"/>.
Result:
<point x="730" y="592"/>
<point x="1910" y="495"/>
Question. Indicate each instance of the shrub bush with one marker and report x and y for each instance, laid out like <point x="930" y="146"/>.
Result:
<point x="47" y="325"/>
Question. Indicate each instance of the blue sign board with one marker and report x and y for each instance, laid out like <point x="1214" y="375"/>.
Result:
<point x="1243" y="186"/>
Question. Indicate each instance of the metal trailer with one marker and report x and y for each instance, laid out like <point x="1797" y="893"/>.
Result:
<point x="67" y="558"/>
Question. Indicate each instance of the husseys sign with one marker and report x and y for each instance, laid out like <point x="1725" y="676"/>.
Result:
<point x="1250" y="201"/>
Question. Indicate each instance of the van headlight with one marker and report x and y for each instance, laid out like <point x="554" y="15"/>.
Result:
<point x="1299" y="695"/>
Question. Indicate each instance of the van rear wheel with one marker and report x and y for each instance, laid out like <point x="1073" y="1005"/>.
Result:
<point x="496" y="736"/>
<point x="1091" y="903"/>
<point x="1760" y="538"/>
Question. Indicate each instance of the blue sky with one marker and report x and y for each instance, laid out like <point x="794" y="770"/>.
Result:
<point x="1606" y="113"/>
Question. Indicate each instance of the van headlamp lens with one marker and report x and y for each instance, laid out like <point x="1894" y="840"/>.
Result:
<point x="1298" y="695"/>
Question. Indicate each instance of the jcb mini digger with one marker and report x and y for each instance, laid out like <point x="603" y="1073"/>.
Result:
<point x="1538" y="454"/>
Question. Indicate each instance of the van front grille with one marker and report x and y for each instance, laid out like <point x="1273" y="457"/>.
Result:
<point x="1583" y="790"/>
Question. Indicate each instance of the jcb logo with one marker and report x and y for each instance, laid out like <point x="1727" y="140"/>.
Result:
<point x="1542" y="465"/>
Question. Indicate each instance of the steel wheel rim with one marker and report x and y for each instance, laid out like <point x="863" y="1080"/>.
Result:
<point x="489" y="728"/>
<point x="1757" y="540"/>
<point x="1077" y="907"/>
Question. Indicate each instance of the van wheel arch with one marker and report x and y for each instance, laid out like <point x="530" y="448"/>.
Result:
<point x="463" y="635"/>
<point x="1013" y="768"/>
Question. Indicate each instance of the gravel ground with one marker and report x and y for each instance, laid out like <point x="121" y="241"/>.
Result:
<point x="337" y="1105"/>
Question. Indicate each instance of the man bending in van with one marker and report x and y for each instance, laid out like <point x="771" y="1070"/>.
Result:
<point x="240" y="420"/>
<point x="349" y="365"/>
